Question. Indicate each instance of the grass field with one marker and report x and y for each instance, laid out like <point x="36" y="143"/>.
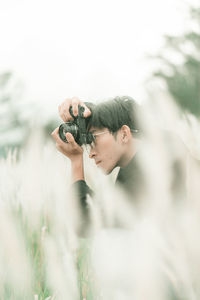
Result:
<point x="155" y="256"/>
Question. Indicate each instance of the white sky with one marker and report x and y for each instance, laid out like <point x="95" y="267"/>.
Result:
<point x="87" y="48"/>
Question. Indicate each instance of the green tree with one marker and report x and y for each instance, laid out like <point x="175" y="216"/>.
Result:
<point x="180" y="69"/>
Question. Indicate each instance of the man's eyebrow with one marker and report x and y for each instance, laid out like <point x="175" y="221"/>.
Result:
<point x="93" y="131"/>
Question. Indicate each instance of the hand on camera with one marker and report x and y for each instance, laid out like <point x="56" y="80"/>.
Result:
<point x="71" y="149"/>
<point x="74" y="102"/>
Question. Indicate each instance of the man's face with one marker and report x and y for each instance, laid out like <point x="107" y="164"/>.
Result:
<point x="107" y="149"/>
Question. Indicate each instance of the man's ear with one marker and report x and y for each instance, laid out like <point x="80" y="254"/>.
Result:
<point x="125" y="133"/>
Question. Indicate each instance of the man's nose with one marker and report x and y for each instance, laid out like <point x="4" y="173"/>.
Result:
<point x="92" y="153"/>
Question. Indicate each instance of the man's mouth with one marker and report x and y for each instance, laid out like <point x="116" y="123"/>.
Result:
<point x="97" y="162"/>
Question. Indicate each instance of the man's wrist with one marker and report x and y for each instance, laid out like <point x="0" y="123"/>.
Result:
<point x="77" y="161"/>
<point x="77" y="169"/>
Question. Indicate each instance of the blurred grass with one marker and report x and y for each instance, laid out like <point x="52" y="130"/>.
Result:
<point x="86" y="275"/>
<point x="42" y="258"/>
<point x="33" y="239"/>
<point x="33" y="236"/>
<point x="34" y="243"/>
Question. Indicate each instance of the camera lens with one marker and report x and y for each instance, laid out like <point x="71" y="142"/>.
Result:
<point x="68" y="127"/>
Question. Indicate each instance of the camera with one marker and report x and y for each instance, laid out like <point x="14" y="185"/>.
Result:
<point x="77" y="127"/>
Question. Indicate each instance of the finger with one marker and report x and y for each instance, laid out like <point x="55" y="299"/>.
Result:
<point x="75" y="102"/>
<point x="87" y="111"/>
<point x="70" y="139"/>
<point x="66" y="116"/>
<point x="63" y="117"/>
<point x="64" y="110"/>
<point x="61" y="112"/>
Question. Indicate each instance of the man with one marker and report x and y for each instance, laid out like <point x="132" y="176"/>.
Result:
<point x="116" y="134"/>
<point x="118" y="142"/>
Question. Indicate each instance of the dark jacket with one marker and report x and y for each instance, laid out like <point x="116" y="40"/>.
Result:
<point x="130" y="179"/>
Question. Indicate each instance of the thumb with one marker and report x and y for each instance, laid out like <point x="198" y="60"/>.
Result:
<point x="87" y="112"/>
<point x="70" y="138"/>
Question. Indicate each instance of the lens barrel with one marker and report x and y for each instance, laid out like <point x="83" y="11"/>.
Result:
<point x="68" y="127"/>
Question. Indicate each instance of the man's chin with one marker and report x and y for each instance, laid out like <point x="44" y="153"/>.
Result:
<point x="105" y="170"/>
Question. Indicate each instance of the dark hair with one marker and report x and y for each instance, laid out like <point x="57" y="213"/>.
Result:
<point x="115" y="113"/>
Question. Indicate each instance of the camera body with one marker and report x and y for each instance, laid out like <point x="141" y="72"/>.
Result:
<point x="77" y="128"/>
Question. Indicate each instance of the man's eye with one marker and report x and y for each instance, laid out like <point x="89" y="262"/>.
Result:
<point x="93" y="138"/>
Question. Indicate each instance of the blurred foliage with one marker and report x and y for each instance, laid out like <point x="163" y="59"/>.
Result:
<point x="13" y="123"/>
<point x="86" y="275"/>
<point x="181" y="66"/>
